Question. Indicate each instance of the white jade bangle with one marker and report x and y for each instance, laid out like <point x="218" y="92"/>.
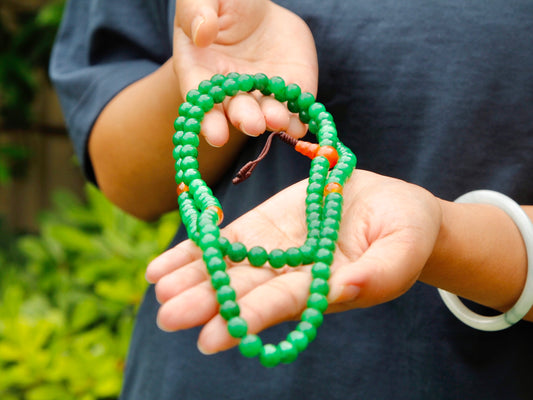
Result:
<point x="525" y="301"/>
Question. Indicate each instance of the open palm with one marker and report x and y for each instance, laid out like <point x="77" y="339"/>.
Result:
<point x="387" y="233"/>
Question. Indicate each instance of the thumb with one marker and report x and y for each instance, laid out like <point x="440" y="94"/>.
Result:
<point x="386" y="270"/>
<point x="198" y="19"/>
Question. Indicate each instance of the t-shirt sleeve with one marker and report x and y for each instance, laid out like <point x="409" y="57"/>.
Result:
<point x="103" y="46"/>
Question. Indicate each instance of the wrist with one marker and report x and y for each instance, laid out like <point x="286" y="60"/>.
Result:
<point x="478" y="255"/>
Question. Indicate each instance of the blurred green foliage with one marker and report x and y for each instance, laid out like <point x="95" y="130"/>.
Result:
<point x="68" y="299"/>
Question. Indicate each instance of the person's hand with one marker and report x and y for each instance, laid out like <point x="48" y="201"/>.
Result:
<point x="387" y="233"/>
<point x="245" y="36"/>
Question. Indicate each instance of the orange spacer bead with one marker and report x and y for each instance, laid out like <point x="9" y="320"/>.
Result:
<point x="306" y="148"/>
<point x="219" y="213"/>
<point x="330" y="153"/>
<point x="332" y="187"/>
<point x="182" y="187"/>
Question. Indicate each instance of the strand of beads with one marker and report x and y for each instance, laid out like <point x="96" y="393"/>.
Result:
<point x="332" y="164"/>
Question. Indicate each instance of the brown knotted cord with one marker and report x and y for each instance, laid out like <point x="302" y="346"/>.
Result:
<point x="245" y="172"/>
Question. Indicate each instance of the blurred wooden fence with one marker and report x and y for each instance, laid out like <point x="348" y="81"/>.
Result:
<point x="50" y="165"/>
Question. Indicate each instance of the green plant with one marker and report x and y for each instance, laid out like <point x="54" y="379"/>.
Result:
<point x="67" y="311"/>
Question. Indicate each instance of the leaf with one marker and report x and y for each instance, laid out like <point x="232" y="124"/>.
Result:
<point x="48" y="392"/>
<point x="85" y="313"/>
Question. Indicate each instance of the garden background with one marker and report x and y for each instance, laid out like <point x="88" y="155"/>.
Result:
<point x="71" y="264"/>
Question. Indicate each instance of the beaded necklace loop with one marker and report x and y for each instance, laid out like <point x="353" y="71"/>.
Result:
<point x="332" y="163"/>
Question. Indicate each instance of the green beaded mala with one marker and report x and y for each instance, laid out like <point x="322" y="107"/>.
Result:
<point x="331" y="165"/>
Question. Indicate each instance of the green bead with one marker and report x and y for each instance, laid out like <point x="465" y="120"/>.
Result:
<point x="304" y="116"/>
<point x="237" y="252"/>
<point x="211" y="228"/>
<point x="190" y="138"/>
<point x="319" y="285"/>
<point x="189" y="163"/>
<point x="219" y="279"/>
<point x="293" y="91"/>
<point x="205" y="102"/>
<point x="218" y="79"/>
<point x="308" y="330"/>
<point x="277" y="258"/>
<point x="196" y="184"/>
<point x="313" y="198"/>
<point x="196" y="112"/>
<point x="245" y="82"/>
<point x="294" y="256"/>
<point x="321" y="270"/>
<point x="333" y="213"/>
<point x="178" y="123"/>
<point x="224" y="244"/>
<point x="257" y="256"/>
<point x="260" y="81"/>
<point x="324" y="116"/>
<point x="318" y="301"/>
<point x="331" y="223"/>
<point x="205" y="86"/>
<point x="315" y="109"/>
<point x="314" y="225"/>
<point x="250" y="345"/>
<point x="326" y="243"/>
<point x="276" y="85"/>
<point x="233" y="75"/>
<point x="229" y="309"/>
<point x="218" y="94"/>
<point x="230" y="87"/>
<point x="192" y="96"/>
<point x="313" y="126"/>
<point x="176" y="153"/>
<point x="331" y="234"/>
<point x="288" y="352"/>
<point x="308" y="254"/>
<point x="327" y="142"/>
<point x="190" y="175"/>
<point x="208" y="241"/>
<point x="184" y="108"/>
<point x="325" y="256"/>
<point x="225" y="293"/>
<point x="298" y="339"/>
<point x="314" y="187"/>
<point x="313" y="316"/>
<point x="192" y="125"/>
<point x="270" y="356"/>
<point x="188" y="151"/>
<point x="215" y="264"/>
<point x="305" y="100"/>
<point x="311" y="217"/>
<point x="176" y="139"/>
<point x="316" y="177"/>
<point x="237" y="327"/>
<point x="292" y="106"/>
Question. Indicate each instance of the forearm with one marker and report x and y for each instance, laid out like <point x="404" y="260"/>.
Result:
<point x="479" y="255"/>
<point x="131" y="146"/>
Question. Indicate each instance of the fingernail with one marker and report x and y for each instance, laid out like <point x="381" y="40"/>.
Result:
<point x="158" y="323"/>
<point x="195" y="27"/>
<point x="204" y="351"/>
<point x="345" y="293"/>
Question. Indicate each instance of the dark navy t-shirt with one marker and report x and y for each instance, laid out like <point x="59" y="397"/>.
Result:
<point x="437" y="93"/>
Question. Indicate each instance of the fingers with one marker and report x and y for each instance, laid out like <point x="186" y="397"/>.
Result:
<point x="198" y="19"/>
<point x="197" y="305"/>
<point x="280" y="299"/>
<point x="178" y="256"/>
